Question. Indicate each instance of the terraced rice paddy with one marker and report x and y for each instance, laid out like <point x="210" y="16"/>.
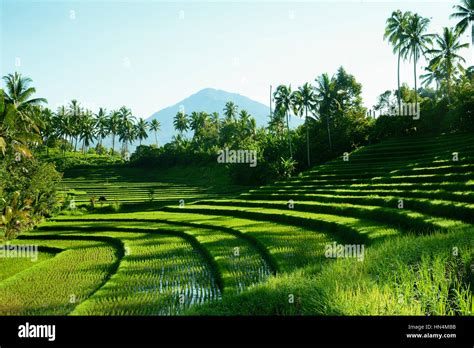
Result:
<point x="223" y="253"/>
<point x="128" y="186"/>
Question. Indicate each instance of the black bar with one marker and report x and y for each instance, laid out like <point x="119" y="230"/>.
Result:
<point x="134" y="331"/>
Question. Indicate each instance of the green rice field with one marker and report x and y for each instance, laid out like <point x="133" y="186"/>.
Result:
<point x="166" y="243"/>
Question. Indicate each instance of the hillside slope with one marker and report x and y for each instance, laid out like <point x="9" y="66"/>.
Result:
<point x="413" y="184"/>
<point x="406" y="205"/>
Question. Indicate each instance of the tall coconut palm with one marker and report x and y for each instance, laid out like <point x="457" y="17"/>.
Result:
<point x="247" y="127"/>
<point x="284" y="101"/>
<point x="195" y="122"/>
<point x="113" y="123"/>
<point x="155" y="126"/>
<point x="465" y="13"/>
<point x="214" y="117"/>
<point x="102" y="125"/>
<point x="395" y="33"/>
<point x="87" y="130"/>
<point x="19" y="114"/>
<point x="75" y="112"/>
<point x="19" y="92"/>
<point x="417" y="42"/>
<point x="216" y="123"/>
<point x="326" y="96"/>
<point x="305" y="102"/>
<point x="180" y="122"/>
<point x="277" y="124"/>
<point x="445" y="55"/>
<point x="230" y="110"/>
<point x="63" y="126"/>
<point x="127" y="133"/>
<point x="198" y="121"/>
<point x="141" y="130"/>
<point x="48" y="132"/>
<point x="126" y="129"/>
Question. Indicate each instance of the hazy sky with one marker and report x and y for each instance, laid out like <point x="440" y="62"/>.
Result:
<point x="151" y="54"/>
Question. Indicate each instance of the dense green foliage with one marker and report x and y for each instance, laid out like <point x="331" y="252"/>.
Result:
<point x="27" y="185"/>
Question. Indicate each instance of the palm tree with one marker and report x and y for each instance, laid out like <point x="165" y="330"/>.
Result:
<point x="75" y="112"/>
<point x="18" y="91"/>
<point x="48" y="131"/>
<point x="215" y="119"/>
<point x="155" y="126"/>
<point x="113" y="123"/>
<point x="304" y="102"/>
<point x="284" y="101"/>
<point x="87" y="130"/>
<point x="63" y="126"/>
<point x="416" y="42"/>
<point x="465" y="12"/>
<point x="180" y="122"/>
<point x="141" y="130"/>
<point x="126" y="133"/>
<point x="17" y="94"/>
<point x="216" y="123"/>
<point x="277" y="124"/>
<point x="395" y="32"/>
<point x="326" y="100"/>
<point x="102" y="125"/>
<point x="126" y="128"/>
<point x="444" y="54"/>
<point x="197" y="123"/>
<point x="432" y="75"/>
<point x="19" y="114"/>
<point x="230" y="110"/>
<point x="247" y="126"/>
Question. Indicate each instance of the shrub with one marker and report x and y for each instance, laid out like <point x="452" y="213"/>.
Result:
<point x="28" y="192"/>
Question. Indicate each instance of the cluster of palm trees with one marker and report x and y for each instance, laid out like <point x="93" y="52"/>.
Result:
<point x="316" y="102"/>
<point x="25" y="121"/>
<point x="408" y="33"/>
<point x="210" y="130"/>
<point x="73" y="124"/>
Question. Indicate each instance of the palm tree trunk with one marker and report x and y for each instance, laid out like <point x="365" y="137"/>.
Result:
<point x="399" y="92"/>
<point x="113" y="143"/>
<point x="156" y="140"/>
<point x="307" y="137"/>
<point x="414" y="72"/>
<point x="329" y="133"/>
<point x="288" y="131"/>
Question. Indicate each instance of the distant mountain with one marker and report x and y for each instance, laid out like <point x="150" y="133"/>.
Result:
<point x="208" y="100"/>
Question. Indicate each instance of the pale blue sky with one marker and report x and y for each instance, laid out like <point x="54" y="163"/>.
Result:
<point x="151" y="54"/>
